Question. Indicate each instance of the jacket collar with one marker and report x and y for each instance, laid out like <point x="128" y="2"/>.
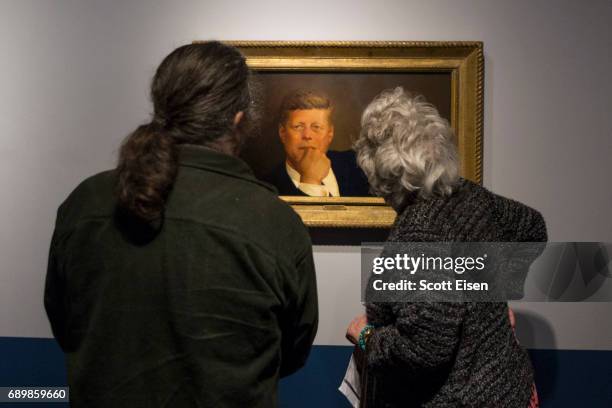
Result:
<point x="207" y="159"/>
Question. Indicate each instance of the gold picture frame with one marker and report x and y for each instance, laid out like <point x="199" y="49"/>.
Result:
<point x="463" y="61"/>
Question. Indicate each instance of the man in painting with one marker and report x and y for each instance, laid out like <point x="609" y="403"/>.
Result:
<point x="306" y="130"/>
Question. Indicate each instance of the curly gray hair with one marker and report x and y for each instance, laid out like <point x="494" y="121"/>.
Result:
<point x="406" y="146"/>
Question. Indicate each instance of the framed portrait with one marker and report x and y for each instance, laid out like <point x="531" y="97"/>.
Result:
<point x="348" y="75"/>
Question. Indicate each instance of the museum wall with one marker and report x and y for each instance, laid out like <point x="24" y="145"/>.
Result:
<point x="74" y="78"/>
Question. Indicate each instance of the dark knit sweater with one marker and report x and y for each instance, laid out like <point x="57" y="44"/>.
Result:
<point x="452" y="354"/>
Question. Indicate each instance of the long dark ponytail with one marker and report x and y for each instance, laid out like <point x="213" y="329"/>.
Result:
<point x="196" y="92"/>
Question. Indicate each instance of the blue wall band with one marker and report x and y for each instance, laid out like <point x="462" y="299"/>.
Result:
<point x="565" y="378"/>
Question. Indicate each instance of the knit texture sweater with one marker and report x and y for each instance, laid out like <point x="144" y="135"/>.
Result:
<point x="451" y="354"/>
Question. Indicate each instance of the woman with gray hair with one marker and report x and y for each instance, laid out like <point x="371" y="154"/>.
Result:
<point x="437" y="354"/>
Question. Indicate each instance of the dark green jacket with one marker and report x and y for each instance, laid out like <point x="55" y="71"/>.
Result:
<point x="210" y="312"/>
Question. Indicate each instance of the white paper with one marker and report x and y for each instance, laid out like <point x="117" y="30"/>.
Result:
<point x="351" y="385"/>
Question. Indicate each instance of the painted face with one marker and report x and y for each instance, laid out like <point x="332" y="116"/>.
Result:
<point x="306" y="128"/>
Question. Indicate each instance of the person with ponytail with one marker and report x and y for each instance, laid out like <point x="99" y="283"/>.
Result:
<point x="178" y="279"/>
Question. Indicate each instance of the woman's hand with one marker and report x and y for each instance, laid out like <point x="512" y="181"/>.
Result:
<point x="355" y="327"/>
<point x="512" y="318"/>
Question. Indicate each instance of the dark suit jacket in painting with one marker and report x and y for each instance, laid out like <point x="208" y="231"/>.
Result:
<point x="351" y="180"/>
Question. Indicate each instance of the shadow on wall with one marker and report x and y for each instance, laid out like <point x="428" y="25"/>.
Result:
<point x="532" y="329"/>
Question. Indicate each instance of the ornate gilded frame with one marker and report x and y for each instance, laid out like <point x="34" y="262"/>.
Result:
<point x="463" y="60"/>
